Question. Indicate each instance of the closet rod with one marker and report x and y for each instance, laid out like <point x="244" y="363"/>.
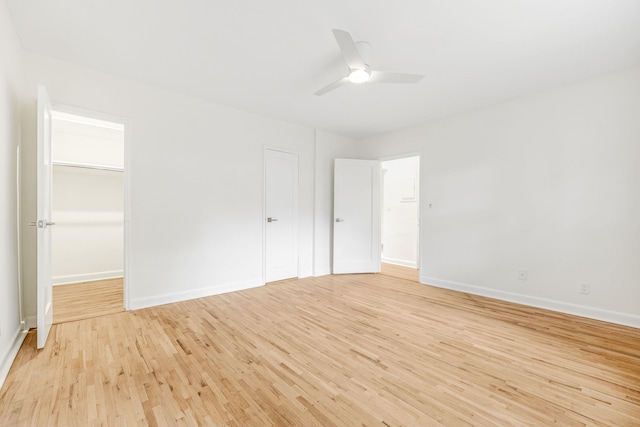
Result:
<point x="88" y="166"/>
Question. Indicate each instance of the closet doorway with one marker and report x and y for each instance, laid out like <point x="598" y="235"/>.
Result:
<point x="400" y="217"/>
<point x="88" y="210"/>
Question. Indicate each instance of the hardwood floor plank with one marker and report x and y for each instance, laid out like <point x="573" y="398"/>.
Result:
<point x="399" y="271"/>
<point x="84" y="300"/>
<point x="329" y="351"/>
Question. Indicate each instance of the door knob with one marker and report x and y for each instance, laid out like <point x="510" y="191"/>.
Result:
<point x="41" y="223"/>
<point x="339" y="220"/>
<point x="272" y="219"/>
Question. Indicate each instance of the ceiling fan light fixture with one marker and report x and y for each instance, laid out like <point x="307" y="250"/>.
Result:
<point x="356" y="55"/>
<point x="359" y="76"/>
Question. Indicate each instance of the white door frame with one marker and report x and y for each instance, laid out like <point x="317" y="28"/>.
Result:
<point x="78" y="111"/>
<point x="420" y="198"/>
<point x="264" y="207"/>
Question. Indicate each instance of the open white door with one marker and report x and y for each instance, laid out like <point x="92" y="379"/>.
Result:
<point x="43" y="222"/>
<point x="356" y="227"/>
<point x="281" y="215"/>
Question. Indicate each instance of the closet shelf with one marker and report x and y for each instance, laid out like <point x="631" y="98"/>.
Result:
<point x="88" y="166"/>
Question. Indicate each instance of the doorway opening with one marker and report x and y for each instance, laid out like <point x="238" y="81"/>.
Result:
<point x="400" y="217"/>
<point x="88" y="165"/>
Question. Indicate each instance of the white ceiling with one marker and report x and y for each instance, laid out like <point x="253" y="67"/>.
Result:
<point x="269" y="56"/>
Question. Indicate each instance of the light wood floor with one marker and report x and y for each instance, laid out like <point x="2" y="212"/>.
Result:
<point x="78" y="301"/>
<point x="330" y="351"/>
<point x="399" y="271"/>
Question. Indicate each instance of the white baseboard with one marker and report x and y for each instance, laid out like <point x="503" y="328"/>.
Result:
<point x="87" y="277"/>
<point x="322" y="272"/>
<point x="9" y="356"/>
<point x="137" y="303"/>
<point x="402" y="262"/>
<point x="562" y="307"/>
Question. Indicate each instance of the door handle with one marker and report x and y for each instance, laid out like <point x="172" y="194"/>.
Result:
<point x="41" y="224"/>
<point x="339" y="220"/>
<point x="272" y="219"/>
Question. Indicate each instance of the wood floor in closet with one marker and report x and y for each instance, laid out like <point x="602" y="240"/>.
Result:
<point x="329" y="351"/>
<point x="84" y="300"/>
<point x="399" y="271"/>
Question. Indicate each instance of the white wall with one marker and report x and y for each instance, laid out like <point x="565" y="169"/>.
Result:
<point x="10" y="78"/>
<point x="546" y="183"/>
<point x="401" y="193"/>
<point x="329" y="146"/>
<point x="88" y="239"/>
<point x="196" y="174"/>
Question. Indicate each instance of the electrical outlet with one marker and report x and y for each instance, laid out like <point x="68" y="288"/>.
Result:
<point x="522" y="275"/>
<point x="585" y="288"/>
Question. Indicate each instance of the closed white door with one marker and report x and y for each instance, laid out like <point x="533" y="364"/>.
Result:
<point x="281" y="215"/>
<point x="43" y="222"/>
<point x="356" y="227"/>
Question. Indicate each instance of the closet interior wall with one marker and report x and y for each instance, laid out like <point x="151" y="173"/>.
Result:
<point x="88" y="199"/>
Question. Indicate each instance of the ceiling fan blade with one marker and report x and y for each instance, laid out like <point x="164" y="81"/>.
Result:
<point x="349" y="50"/>
<point x="332" y="86"/>
<point x="388" y="77"/>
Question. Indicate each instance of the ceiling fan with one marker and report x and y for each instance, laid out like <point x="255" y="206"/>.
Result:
<point x="357" y="56"/>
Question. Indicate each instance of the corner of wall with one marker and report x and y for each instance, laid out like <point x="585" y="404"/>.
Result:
<point x="11" y="84"/>
<point x="6" y="359"/>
